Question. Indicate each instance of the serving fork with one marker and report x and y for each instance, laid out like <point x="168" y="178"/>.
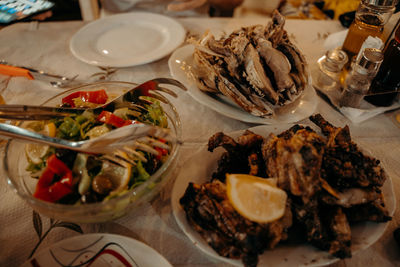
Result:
<point x="125" y="139"/>
<point x="133" y="98"/>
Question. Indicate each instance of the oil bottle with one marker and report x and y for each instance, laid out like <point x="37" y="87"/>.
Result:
<point x="371" y="17"/>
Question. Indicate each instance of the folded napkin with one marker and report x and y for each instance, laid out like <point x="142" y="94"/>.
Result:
<point x="356" y="115"/>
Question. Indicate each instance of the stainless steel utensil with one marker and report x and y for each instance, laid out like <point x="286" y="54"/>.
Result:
<point x="121" y="139"/>
<point x="133" y="98"/>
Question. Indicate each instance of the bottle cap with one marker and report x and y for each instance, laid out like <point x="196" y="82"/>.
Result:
<point x="371" y="59"/>
<point x="383" y="3"/>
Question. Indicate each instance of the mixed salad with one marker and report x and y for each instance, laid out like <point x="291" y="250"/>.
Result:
<point x="69" y="177"/>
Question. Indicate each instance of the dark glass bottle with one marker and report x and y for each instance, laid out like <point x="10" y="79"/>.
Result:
<point x="388" y="77"/>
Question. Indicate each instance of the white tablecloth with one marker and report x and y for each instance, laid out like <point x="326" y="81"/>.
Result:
<point x="46" y="46"/>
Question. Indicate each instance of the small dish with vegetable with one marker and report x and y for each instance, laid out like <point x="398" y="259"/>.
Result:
<point x="78" y="187"/>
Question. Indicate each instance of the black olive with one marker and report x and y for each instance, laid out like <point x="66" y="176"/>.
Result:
<point x="66" y="156"/>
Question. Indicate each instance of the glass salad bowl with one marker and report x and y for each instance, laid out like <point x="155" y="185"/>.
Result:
<point x="21" y="180"/>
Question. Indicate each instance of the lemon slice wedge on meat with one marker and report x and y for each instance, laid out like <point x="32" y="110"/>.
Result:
<point x="257" y="199"/>
<point x="36" y="152"/>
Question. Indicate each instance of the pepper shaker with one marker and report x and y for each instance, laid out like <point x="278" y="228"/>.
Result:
<point x="359" y="79"/>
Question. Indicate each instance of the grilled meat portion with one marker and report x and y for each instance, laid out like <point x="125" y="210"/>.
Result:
<point x="337" y="237"/>
<point x="295" y="158"/>
<point x="241" y="156"/>
<point x="329" y="182"/>
<point x="228" y="233"/>
<point x="350" y="197"/>
<point x="374" y="211"/>
<point x="356" y="176"/>
<point x="344" y="165"/>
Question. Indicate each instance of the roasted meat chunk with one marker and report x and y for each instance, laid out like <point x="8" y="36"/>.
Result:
<point x="210" y="213"/>
<point x="241" y="156"/>
<point x="295" y="157"/>
<point x="344" y="165"/>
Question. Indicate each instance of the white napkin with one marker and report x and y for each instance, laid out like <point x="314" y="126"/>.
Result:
<point x="359" y="115"/>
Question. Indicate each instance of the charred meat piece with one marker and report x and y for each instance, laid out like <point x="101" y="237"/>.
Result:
<point x="295" y="159"/>
<point x="307" y="216"/>
<point x="344" y="165"/>
<point x="374" y="211"/>
<point x="351" y="196"/>
<point x="211" y="214"/>
<point x="338" y="232"/>
<point x="241" y="156"/>
<point x="326" y="227"/>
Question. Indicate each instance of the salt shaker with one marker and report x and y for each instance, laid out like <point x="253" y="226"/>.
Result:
<point x="330" y="68"/>
<point x="359" y="79"/>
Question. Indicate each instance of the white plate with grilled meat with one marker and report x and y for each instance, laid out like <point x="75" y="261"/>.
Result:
<point x="363" y="234"/>
<point x="181" y="64"/>
<point x="127" y="39"/>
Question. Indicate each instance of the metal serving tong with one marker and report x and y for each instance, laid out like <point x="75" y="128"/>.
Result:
<point x="131" y="99"/>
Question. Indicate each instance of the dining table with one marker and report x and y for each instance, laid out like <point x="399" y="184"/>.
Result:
<point x="45" y="45"/>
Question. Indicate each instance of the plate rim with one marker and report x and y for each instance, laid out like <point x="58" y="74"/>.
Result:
<point x="175" y="41"/>
<point x="133" y="242"/>
<point x="233" y="112"/>
<point x="209" y="251"/>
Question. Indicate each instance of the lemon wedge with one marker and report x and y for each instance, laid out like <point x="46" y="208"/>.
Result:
<point x="36" y="152"/>
<point x="255" y="198"/>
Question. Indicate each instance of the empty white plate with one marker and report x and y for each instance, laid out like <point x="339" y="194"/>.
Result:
<point x="127" y="39"/>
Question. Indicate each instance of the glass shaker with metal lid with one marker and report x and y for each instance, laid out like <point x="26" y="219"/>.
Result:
<point x="371" y="17"/>
<point x="330" y="69"/>
<point x="359" y="79"/>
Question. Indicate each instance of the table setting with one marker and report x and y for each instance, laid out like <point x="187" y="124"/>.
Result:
<point x="156" y="223"/>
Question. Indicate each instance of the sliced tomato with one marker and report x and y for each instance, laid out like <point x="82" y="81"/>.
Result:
<point x="97" y="97"/>
<point x="108" y="117"/>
